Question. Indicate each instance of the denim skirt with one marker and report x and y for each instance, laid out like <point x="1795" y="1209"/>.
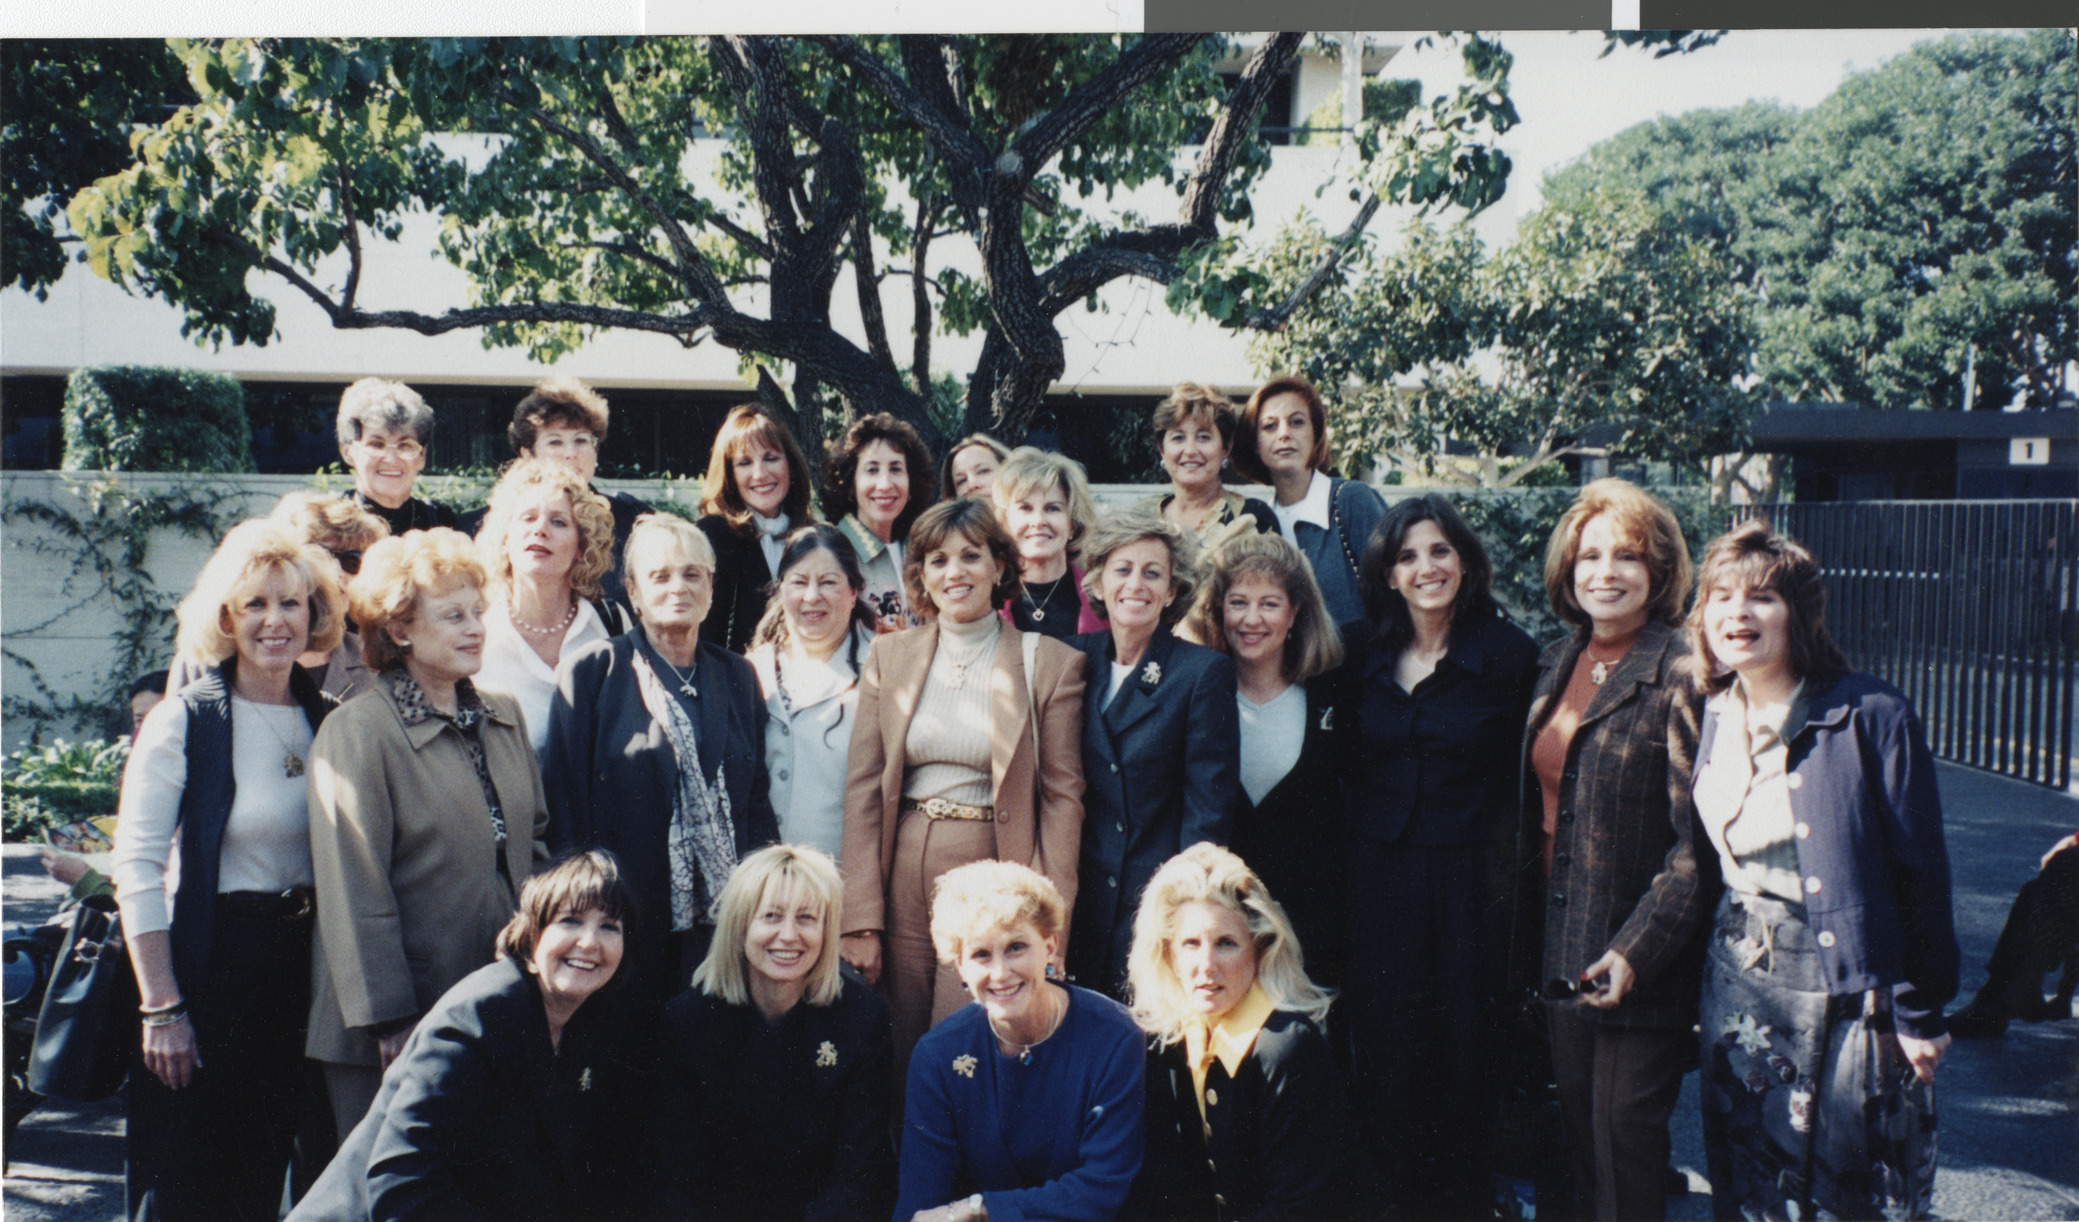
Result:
<point x="1809" y="1109"/>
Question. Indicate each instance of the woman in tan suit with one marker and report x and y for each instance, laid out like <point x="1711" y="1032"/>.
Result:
<point x="955" y="758"/>
<point x="426" y="814"/>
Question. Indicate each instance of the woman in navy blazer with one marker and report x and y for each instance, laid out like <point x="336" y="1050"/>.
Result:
<point x="614" y="767"/>
<point x="1161" y="735"/>
<point x="510" y="1101"/>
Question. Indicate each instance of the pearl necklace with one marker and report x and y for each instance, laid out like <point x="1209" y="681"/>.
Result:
<point x="557" y="629"/>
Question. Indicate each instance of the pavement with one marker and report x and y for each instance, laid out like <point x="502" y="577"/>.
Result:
<point x="2008" y="1108"/>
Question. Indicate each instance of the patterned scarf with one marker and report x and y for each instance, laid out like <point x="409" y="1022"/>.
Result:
<point x="701" y="845"/>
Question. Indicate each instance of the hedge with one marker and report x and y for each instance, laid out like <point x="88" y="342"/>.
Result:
<point x="150" y="418"/>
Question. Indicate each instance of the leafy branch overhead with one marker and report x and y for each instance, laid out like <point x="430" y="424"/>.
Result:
<point x="725" y="189"/>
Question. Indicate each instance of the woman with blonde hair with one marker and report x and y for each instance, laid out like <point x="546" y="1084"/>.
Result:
<point x="545" y="542"/>
<point x="1044" y="501"/>
<point x="776" y="1068"/>
<point x="970" y="467"/>
<point x="1161" y="735"/>
<point x="1246" y="1114"/>
<point x="758" y="489"/>
<point x="964" y="749"/>
<point x="426" y="814"/>
<point x="1608" y="746"/>
<point x="1194" y="434"/>
<point x="1028" y="1103"/>
<point x="214" y="797"/>
<point x="1261" y="608"/>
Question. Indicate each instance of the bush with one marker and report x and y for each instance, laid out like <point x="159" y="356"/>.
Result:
<point x="145" y="418"/>
<point x="46" y="787"/>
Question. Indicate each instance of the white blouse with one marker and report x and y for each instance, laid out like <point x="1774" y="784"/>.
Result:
<point x="267" y="837"/>
<point x="511" y="665"/>
<point x="1272" y="735"/>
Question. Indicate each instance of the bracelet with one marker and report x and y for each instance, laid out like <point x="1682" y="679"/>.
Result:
<point x="165" y="1016"/>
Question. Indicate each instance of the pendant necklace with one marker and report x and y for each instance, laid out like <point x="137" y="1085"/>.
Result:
<point x="292" y="763"/>
<point x="1039" y="610"/>
<point x="685" y="680"/>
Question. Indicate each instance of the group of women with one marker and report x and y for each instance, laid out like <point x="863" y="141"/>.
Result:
<point x="879" y="864"/>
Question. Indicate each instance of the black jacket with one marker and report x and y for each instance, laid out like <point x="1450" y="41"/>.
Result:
<point x="741" y="576"/>
<point x="481" y="1117"/>
<point x="783" y="1121"/>
<point x="1159" y="775"/>
<point x="1278" y="1143"/>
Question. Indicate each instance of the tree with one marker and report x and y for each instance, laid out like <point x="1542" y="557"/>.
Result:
<point x="561" y="172"/>
<point x="1601" y="323"/>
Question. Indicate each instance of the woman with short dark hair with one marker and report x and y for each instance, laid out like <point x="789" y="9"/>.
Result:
<point x="384" y="429"/>
<point x="1194" y="435"/>
<point x="878" y="482"/>
<point x="1444" y="683"/>
<point x="1833" y="951"/>
<point x="1282" y="440"/>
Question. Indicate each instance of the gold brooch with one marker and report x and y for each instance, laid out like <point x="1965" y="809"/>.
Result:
<point x="964" y="1065"/>
<point x="1151" y="673"/>
<point x="1327" y="719"/>
<point x="585" y="1079"/>
<point x="827" y="1054"/>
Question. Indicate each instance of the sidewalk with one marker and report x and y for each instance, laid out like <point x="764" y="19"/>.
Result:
<point x="2009" y="1108"/>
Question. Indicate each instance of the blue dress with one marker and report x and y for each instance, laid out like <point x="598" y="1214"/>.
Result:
<point x="1055" y="1134"/>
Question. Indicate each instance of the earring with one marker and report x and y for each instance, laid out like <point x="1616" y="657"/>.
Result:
<point x="1050" y="971"/>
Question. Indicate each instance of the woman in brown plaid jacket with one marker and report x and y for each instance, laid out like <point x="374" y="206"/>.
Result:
<point x="1609" y="842"/>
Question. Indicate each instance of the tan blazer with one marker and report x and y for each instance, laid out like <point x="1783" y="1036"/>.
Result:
<point x="409" y="900"/>
<point x="1046" y="838"/>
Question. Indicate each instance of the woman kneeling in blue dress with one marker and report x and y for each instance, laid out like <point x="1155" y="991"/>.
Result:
<point x="1028" y="1103"/>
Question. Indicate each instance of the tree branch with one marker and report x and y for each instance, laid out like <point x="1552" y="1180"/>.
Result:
<point x="920" y="295"/>
<point x="941" y="122"/>
<point x="1270" y="318"/>
<point x="1235" y="127"/>
<point x="1092" y="100"/>
<point x="869" y="290"/>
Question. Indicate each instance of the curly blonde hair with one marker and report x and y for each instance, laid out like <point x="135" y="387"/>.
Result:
<point x="250" y="553"/>
<point x="1205" y="873"/>
<point x="335" y="523"/>
<point x="1127" y="526"/>
<point x="526" y="481"/>
<point x="395" y="574"/>
<point x="985" y="895"/>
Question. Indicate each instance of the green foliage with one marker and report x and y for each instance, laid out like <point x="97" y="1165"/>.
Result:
<point x="1385" y="101"/>
<point x="62" y="783"/>
<point x="143" y="418"/>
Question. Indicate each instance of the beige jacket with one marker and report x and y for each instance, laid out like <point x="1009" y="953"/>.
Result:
<point x="1038" y="796"/>
<point x="409" y="898"/>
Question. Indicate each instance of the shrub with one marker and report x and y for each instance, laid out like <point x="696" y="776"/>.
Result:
<point x="146" y="418"/>
<point x="47" y="787"/>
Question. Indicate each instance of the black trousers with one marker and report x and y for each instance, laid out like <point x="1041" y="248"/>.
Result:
<point x="1617" y="1090"/>
<point x="2041" y="934"/>
<point x="1425" y="970"/>
<point x="218" y="1149"/>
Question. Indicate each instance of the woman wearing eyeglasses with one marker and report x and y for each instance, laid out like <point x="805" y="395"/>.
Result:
<point x="383" y="428"/>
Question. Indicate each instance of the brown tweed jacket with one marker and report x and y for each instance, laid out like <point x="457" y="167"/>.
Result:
<point x="1625" y="871"/>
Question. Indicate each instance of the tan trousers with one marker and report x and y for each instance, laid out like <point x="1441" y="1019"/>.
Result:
<point x="921" y="990"/>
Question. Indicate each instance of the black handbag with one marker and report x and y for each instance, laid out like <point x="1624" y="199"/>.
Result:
<point x="87" y="1031"/>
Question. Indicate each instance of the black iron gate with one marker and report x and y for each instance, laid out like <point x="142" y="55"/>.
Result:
<point x="1968" y="607"/>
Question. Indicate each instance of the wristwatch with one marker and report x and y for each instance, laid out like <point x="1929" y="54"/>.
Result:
<point x="975" y="1212"/>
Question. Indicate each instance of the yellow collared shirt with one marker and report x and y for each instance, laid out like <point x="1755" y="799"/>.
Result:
<point x="1229" y="1039"/>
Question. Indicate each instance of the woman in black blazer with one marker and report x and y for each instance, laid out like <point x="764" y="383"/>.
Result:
<point x="776" y="1069"/>
<point x="1246" y="1116"/>
<point x="511" y="1099"/>
<point x="757" y="492"/>
<point x="1263" y="610"/>
<point x="1160" y="736"/>
<point x="630" y="715"/>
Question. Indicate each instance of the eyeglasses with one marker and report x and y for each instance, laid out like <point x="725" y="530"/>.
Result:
<point x="409" y="451"/>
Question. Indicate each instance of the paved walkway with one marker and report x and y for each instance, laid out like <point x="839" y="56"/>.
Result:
<point x="2009" y="1108"/>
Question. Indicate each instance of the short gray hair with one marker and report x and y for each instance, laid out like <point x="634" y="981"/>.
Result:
<point x="378" y="403"/>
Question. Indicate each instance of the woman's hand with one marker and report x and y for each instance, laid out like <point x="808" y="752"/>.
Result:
<point x="863" y="951"/>
<point x="954" y="1211"/>
<point x="1923" y="1055"/>
<point x="1618" y="969"/>
<point x="169" y="1052"/>
<point x="389" y="1047"/>
<point x="69" y="869"/>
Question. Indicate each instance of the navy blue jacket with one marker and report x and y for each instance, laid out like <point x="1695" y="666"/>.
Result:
<point x="1161" y="772"/>
<point x="1354" y="510"/>
<point x="205" y="807"/>
<point x="482" y="1117"/>
<point x="1870" y="847"/>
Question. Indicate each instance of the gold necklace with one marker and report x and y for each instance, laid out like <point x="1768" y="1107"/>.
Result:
<point x="292" y="763"/>
<point x="1024" y="1051"/>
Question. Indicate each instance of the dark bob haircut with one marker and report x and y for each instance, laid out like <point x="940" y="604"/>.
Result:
<point x="972" y="520"/>
<point x="578" y="883"/>
<point x="842" y="494"/>
<point x="1392" y="625"/>
<point x="1250" y="427"/>
<point x="748" y="425"/>
<point x="1753" y="556"/>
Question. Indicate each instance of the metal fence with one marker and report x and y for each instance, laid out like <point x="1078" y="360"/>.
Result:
<point x="1968" y="607"/>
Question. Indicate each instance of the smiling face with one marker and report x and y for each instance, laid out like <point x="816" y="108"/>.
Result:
<point x="1748" y="630"/>
<point x="1611" y="580"/>
<point x="817" y="601"/>
<point x="785" y="937"/>
<point x="974" y="470"/>
<point x="1039" y="523"/>
<point x="570" y="444"/>
<point x="1005" y="969"/>
<point x="1192" y="452"/>
<point x="960" y="577"/>
<point x="445" y="634"/>
<point x="1136" y="585"/>
<point x="1285" y="436"/>
<point x="1256" y="618"/>
<point x="575" y="955"/>
<point x="270" y="621"/>
<point x="1215" y="957"/>
<point x="386" y="463"/>
<point x="761" y="474"/>
<point x="1427" y="570"/>
<point x="542" y="541"/>
<point x="670" y="589"/>
<point x="882" y="485"/>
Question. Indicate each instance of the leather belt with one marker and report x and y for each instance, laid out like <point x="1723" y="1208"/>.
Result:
<point x="940" y="808"/>
<point x="294" y="904"/>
